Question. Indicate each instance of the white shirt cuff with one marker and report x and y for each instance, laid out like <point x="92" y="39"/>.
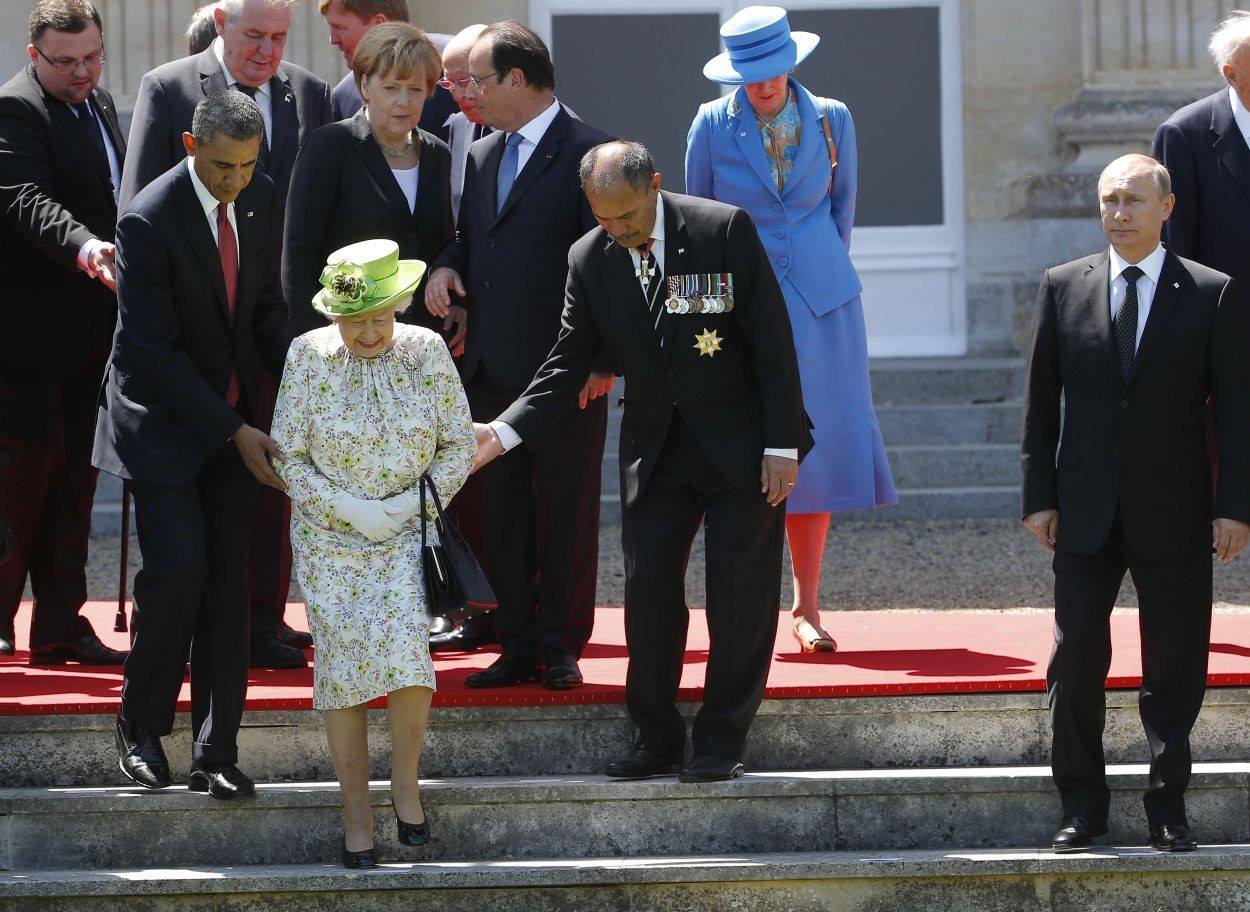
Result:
<point x="507" y="436"/>
<point x="785" y="454"/>
<point x="84" y="253"/>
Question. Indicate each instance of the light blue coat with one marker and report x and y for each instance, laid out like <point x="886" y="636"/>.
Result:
<point x="807" y="233"/>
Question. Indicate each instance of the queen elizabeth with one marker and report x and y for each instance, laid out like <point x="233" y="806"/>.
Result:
<point x="366" y="407"/>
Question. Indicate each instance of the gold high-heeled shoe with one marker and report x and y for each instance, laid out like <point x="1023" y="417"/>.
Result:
<point x="812" y="639"/>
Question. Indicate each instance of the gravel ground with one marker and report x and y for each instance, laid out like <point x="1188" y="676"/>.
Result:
<point x="953" y="564"/>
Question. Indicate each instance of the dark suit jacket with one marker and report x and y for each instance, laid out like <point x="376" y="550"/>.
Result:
<point x="55" y="195"/>
<point x="736" y="402"/>
<point x="1141" y="445"/>
<point x="1210" y="166"/>
<point x="345" y="102"/>
<point x="167" y="99"/>
<point x="163" y="408"/>
<point x="514" y="264"/>
<point x="342" y="192"/>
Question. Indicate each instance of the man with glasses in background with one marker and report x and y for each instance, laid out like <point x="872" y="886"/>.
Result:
<point x="521" y="210"/>
<point x="61" y="157"/>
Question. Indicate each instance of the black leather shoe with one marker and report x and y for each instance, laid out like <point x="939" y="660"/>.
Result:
<point x="1076" y="834"/>
<point x="270" y="652"/>
<point x="1173" y="837"/>
<point x="472" y="634"/>
<point x="6" y="644"/>
<point x="643" y="761"/>
<point x="87" y="650"/>
<point x="289" y="636"/>
<point x="510" y="668"/>
<point x="413" y="834"/>
<point x="356" y="860"/>
<point x="221" y="780"/>
<point x="704" y="768"/>
<point x="562" y="671"/>
<point x="141" y="757"/>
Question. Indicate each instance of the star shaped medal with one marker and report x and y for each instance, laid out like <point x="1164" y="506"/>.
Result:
<point x="707" y="342"/>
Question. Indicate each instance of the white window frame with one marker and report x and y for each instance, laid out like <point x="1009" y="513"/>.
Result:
<point x="936" y="253"/>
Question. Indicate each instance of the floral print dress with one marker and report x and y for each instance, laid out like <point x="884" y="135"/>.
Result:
<point x="368" y="427"/>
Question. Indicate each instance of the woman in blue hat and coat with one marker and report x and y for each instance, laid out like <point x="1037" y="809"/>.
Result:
<point x="788" y="158"/>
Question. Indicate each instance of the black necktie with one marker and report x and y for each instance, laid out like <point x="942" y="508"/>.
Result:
<point x="86" y="119"/>
<point x="262" y="160"/>
<point x="1126" y="321"/>
<point x="652" y="280"/>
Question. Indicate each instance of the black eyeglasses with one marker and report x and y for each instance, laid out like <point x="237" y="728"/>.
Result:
<point x="90" y="62"/>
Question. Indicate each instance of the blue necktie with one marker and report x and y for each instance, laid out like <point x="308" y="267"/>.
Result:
<point x="86" y="117"/>
<point x="507" y="170"/>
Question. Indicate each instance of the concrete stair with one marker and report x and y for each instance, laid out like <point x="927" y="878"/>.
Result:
<point x="1108" y="880"/>
<point x="868" y="804"/>
<point x="951" y="426"/>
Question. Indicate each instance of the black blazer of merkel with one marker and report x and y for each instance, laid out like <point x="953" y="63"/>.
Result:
<point x="1138" y="445"/>
<point x="163" y="408"/>
<point x="55" y="195"/>
<point x="514" y="263"/>
<point x="736" y="402"/>
<point x="343" y="191"/>
<point x="1210" y="166"/>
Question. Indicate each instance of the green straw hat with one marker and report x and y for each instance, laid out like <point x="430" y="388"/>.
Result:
<point x="366" y="276"/>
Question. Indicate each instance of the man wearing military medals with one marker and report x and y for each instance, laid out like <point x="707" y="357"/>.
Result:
<point x="680" y="292"/>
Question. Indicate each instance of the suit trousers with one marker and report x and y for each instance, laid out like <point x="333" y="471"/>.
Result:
<point x="47" y="486"/>
<point x="539" y="516"/>
<point x="743" y="536"/>
<point x="191" y="594"/>
<point x="269" y="561"/>
<point x="1174" y="617"/>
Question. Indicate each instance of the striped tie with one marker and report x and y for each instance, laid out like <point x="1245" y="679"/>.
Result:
<point x="652" y="281"/>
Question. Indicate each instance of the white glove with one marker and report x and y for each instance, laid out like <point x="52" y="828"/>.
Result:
<point x="402" y="507"/>
<point x="368" y="517"/>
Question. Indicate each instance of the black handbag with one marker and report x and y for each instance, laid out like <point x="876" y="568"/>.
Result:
<point x="456" y="587"/>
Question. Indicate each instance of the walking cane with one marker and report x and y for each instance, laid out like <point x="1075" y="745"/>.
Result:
<point x="119" y="622"/>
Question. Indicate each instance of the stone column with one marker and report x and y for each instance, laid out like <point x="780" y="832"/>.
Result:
<point x="1142" y="60"/>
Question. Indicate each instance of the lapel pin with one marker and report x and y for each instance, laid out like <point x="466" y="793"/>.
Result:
<point x="1176" y="284"/>
<point x="249" y="215"/>
<point x="289" y="99"/>
<point x="681" y="249"/>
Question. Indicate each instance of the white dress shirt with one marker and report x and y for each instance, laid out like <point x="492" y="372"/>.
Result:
<point x="1152" y="265"/>
<point x="1240" y="115"/>
<point x="263" y="100"/>
<point x="209" y="202"/>
<point x="115" y="177"/>
<point x="509" y="438"/>
<point x="408" y="179"/>
<point x="531" y="134"/>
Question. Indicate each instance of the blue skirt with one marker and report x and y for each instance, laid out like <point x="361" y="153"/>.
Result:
<point x="847" y="469"/>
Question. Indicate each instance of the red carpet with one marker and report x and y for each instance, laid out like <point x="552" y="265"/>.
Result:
<point x="880" y="654"/>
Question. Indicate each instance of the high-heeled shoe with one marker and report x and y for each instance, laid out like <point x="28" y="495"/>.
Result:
<point x="813" y="639"/>
<point x="368" y="858"/>
<point x="413" y="834"/>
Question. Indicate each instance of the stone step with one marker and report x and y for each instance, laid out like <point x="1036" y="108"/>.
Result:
<point x="945" y="423"/>
<point x="1122" y="879"/>
<point x="496" y="818"/>
<point x="941" y="466"/>
<point x="897" y="381"/>
<point x="968" y="729"/>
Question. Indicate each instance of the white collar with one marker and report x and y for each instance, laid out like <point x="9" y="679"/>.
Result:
<point x="202" y="193"/>
<point x="657" y="230"/>
<point x="1151" y="265"/>
<point x="219" y="48"/>
<point x="534" y="130"/>
<point x="1240" y="115"/>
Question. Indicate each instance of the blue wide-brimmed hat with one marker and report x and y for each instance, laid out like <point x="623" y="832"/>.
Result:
<point x="760" y="46"/>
